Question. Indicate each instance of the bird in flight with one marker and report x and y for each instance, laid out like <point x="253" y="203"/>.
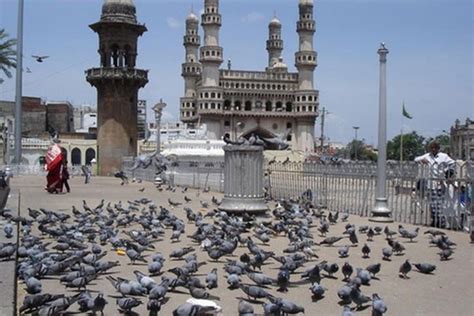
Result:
<point x="39" y="58"/>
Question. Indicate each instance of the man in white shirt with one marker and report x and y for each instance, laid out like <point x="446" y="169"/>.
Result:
<point x="439" y="171"/>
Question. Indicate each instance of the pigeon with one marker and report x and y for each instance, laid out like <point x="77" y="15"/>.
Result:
<point x="153" y="306"/>
<point x="358" y="298"/>
<point x="211" y="279"/>
<point x="411" y="234"/>
<point x="378" y="305"/>
<point x="343" y="252"/>
<point x="370" y="234"/>
<point x="365" y="251"/>
<point x="405" y="268"/>
<point x="389" y="233"/>
<point x="445" y="254"/>
<point x="33" y="285"/>
<point x="233" y="280"/>
<point x="254" y="291"/>
<point x="245" y="309"/>
<point x="344" y="294"/>
<point x="126" y="304"/>
<point x="318" y="291"/>
<point x="425" y="267"/>
<point x="374" y="268"/>
<point x="347" y="311"/>
<point x="387" y="253"/>
<point x="8" y="230"/>
<point x="347" y="270"/>
<point x="283" y="280"/>
<point x="434" y="232"/>
<point x="330" y="240"/>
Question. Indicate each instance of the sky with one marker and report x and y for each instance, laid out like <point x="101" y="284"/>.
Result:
<point x="429" y="68"/>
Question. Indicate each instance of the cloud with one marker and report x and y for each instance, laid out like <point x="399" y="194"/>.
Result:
<point x="173" y="23"/>
<point x="252" y="17"/>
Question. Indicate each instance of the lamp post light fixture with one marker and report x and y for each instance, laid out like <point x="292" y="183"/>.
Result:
<point x="381" y="212"/>
<point x="158" y="108"/>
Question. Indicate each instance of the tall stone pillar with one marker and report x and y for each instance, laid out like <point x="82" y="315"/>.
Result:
<point x="243" y="179"/>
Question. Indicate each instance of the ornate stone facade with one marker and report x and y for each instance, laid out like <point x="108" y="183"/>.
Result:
<point x="117" y="82"/>
<point x="462" y="140"/>
<point x="270" y="103"/>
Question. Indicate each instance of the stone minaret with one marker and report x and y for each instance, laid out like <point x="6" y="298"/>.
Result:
<point x="191" y="69"/>
<point x="274" y="42"/>
<point x="210" y="98"/>
<point x="117" y="82"/>
<point x="305" y="61"/>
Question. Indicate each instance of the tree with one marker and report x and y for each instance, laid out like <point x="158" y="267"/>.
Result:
<point x="413" y="146"/>
<point x="7" y="54"/>
<point x="357" y="150"/>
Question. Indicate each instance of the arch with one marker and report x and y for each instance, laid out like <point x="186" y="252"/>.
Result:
<point x="238" y="105"/>
<point x="279" y="106"/>
<point x="90" y="154"/>
<point x="248" y="106"/>
<point x="268" y="106"/>
<point x="76" y="156"/>
<point x="227" y="104"/>
<point x="289" y="107"/>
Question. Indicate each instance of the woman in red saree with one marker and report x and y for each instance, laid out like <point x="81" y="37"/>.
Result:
<point x="54" y="164"/>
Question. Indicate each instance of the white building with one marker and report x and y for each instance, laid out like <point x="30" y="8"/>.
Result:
<point x="241" y="102"/>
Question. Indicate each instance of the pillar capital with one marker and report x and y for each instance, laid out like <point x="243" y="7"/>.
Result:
<point x="383" y="52"/>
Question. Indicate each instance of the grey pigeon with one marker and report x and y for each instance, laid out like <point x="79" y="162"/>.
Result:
<point x="126" y="304"/>
<point x="358" y="298"/>
<point x="317" y="290"/>
<point x="233" y="280"/>
<point x="33" y="285"/>
<point x="8" y="230"/>
<point x="245" y="309"/>
<point x="347" y="311"/>
<point x="387" y="253"/>
<point x="378" y="305"/>
<point x="425" y="267"/>
<point x="365" y="251"/>
<point x="374" y="268"/>
<point x="343" y="252"/>
<point x="254" y="291"/>
<point x="405" y="268"/>
<point x="347" y="270"/>
<point x="211" y="279"/>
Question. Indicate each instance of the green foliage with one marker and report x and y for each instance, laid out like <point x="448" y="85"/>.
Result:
<point x="413" y="146"/>
<point x="7" y="54"/>
<point x="357" y="150"/>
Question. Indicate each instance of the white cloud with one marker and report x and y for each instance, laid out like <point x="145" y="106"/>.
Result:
<point x="252" y="17"/>
<point x="173" y="23"/>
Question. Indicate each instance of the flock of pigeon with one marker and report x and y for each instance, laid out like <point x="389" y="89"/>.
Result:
<point x="72" y="249"/>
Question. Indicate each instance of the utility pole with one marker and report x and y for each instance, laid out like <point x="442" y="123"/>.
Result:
<point x="19" y="82"/>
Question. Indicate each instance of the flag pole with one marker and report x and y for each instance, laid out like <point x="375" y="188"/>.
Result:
<point x="401" y="138"/>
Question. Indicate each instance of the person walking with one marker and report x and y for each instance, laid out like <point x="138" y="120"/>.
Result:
<point x="54" y="163"/>
<point x="439" y="169"/>
<point x="65" y="176"/>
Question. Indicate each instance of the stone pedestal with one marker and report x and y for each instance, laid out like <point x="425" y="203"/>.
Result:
<point x="243" y="179"/>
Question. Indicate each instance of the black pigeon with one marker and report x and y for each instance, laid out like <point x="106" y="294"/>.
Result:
<point x="405" y="268"/>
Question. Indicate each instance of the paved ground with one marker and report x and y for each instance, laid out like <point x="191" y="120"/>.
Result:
<point x="448" y="291"/>
<point x="7" y="268"/>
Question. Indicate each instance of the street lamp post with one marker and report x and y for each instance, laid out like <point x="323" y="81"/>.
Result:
<point x="19" y="82"/>
<point x="381" y="212"/>
<point x="356" y="128"/>
<point x="158" y="108"/>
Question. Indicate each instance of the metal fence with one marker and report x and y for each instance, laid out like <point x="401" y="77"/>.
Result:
<point x="414" y="194"/>
<point x="194" y="174"/>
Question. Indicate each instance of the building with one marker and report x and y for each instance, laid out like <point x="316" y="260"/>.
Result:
<point x="141" y="119"/>
<point x="462" y="140"/>
<point x="268" y="103"/>
<point x="117" y="81"/>
<point x="60" y="116"/>
<point x="39" y="117"/>
<point x="85" y="117"/>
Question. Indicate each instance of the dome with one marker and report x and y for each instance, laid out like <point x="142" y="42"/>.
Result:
<point x="192" y="17"/>
<point x="119" y="11"/>
<point x="280" y="64"/>
<point x="306" y="2"/>
<point x="275" y="21"/>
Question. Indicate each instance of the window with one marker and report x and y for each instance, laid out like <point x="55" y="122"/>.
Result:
<point x="226" y="123"/>
<point x="248" y="106"/>
<point x="288" y="125"/>
<point x="268" y="106"/>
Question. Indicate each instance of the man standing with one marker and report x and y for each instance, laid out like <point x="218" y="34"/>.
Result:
<point x="440" y="173"/>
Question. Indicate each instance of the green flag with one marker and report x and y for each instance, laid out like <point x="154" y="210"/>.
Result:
<point x="405" y="113"/>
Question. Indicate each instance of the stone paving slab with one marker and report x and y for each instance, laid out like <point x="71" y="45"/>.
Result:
<point x="7" y="268"/>
<point x="447" y="292"/>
